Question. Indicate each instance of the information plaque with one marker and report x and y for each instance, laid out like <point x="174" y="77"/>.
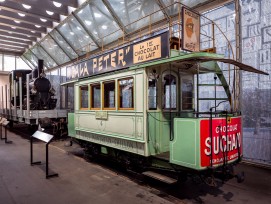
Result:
<point x="45" y="137"/>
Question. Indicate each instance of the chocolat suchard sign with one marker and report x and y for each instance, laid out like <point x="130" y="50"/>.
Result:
<point x="153" y="48"/>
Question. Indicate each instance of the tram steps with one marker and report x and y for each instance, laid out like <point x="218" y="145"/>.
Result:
<point x="160" y="177"/>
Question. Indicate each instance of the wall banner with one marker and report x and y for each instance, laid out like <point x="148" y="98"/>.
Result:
<point x="190" y="30"/>
<point x="154" y="48"/>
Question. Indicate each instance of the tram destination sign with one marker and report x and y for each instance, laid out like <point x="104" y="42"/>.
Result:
<point x="154" y="48"/>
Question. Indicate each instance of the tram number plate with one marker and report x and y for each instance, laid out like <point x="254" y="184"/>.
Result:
<point x="101" y="115"/>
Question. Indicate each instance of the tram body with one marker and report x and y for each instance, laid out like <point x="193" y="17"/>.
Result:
<point x="141" y="103"/>
<point x="148" y="111"/>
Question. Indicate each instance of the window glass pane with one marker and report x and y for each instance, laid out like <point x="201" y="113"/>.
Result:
<point x="170" y="90"/>
<point x="31" y="58"/>
<point x="187" y="94"/>
<point x="55" y="79"/>
<point x="77" y="36"/>
<point x="70" y="98"/>
<point x="126" y="87"/>
<point x="63" y="74"/>
<point x="20" y="64"/>
<point x="98" y="20"/>
<point x="41" y="54"/>
<point x="152" y="94"/>
<point x="84" y="97"/>
<point x="96" y="96"/>
<point x="9" y="63"/>
<point x="63" y="44"/>
<point x="173" y="9"/>
<point x="109" y="95"/>
<point x="51" y="47"/>
<point x="130" y="11"/>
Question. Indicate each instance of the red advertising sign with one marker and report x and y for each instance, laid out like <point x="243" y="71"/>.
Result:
<point x="226" y="137"/>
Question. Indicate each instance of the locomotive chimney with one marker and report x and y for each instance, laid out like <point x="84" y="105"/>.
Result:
<point x="40" y="67"/>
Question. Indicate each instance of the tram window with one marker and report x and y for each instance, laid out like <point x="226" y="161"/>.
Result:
<point x="187" y="94"/>
<point x="95" y="96"/>
<point x="109" y="95"/>
<point x="152" y="94"/>
<point x="170" y="91"/>
<point x="126" y="95"/>
<point x="84" y="97"/>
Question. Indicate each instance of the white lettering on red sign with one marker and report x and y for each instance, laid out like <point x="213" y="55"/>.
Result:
<point x="226" y="142"/>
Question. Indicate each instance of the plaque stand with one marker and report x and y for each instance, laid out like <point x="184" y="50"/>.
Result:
<point x="47" y="138"/>
<point x="4" y="124"/>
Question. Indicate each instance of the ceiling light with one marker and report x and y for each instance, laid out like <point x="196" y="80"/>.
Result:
<point x="79" y="28"/>
<point x="32" y="31"/>
<point x="87" y="36"/>
<point x="43" y="20"/>
<point x="17" y="21"/>
<point x="122" y="2"/>
<point x="13" y="27"/>
<point x="72" y="33"/>
<point x="95" y="32"/>
<point x="104" y="27"/>
<point x="26" y="6"/>
<point x="50" y="13"/>
<point x="57" y="4"/>
<point x="88" y="22"/>
<point x="21" y="14"/>
<point x="2" y="0"/>
<point x="97" y="15"/>
<point x="38" y="26"/>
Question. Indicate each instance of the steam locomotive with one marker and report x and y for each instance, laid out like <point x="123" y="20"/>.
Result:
<point x="30" y="98"/>
<point x="42" y="93"/>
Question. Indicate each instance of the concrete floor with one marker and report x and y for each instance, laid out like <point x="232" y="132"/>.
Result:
<point x="83" y="182"/>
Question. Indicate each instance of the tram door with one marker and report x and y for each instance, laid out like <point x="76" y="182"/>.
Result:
<point x="169" y="97"/>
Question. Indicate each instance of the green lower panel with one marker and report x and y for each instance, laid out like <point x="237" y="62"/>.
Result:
<point x="184" y="149"/>
<point x="71" y="128"/>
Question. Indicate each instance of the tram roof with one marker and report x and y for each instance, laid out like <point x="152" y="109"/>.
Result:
<point x="204" y="59"/>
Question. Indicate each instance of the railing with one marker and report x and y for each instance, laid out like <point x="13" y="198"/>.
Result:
<point x="173" y="24"/>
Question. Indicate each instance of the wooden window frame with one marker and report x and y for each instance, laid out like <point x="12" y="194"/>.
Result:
<point x="80" y="97"/>
<point x="106" y="82"/>
<point x="119" y="102"/>
<point x="91" y="95"/>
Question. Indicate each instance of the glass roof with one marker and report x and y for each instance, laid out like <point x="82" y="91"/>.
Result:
<point x="97" y="24"/>
<point x="31" y="58"/>
<point x="63" y="44"/>
<point x="131" y="11"/>
<point x="42" y="54"/>
<point x="76" y="35"/>
<point x="50" y="45"/>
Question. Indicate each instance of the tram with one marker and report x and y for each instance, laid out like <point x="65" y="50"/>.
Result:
<point x="148" y="105"/>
